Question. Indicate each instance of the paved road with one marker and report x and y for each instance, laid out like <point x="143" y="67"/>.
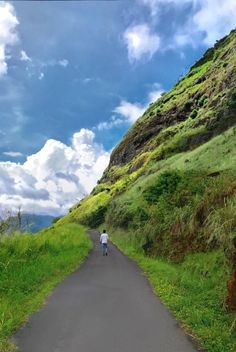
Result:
<point x="105" y="306"/>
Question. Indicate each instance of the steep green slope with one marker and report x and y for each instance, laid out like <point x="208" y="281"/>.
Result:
<point x="187" y="129"/>
<point x="171" y="180"/>
<point x="200" y="106"/>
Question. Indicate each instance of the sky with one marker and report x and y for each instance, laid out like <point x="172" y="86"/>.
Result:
<point x="75" y="75"/>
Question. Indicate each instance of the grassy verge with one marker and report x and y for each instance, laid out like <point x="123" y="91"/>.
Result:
<point x="194" y="290"/>
<point x="30" y="266"/>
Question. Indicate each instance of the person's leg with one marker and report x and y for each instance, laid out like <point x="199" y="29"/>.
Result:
<point x="106" y="248"/>
<point x="103" y="249"/>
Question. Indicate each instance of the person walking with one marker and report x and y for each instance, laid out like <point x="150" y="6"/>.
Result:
<point x="104" y="240"/>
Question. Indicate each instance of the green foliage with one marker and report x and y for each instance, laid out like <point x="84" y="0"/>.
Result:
<point x="119" y="214"/>
<point x="80" y="213"/>
<point x="221" y="224"/>
<point x="224" y="64"/>
<point x="185" y="140"/>
<point x="141" y="215"/>
<point x="165" y="184"/>
<point x="202" y="101"/>
<point x="30" y="266"/>
<point x="55" y="220"/>
<point x="97" y="217"/>
<point x="193" y="114"/>
<point x="232" y="100"/>
<point x="174" y="211"/>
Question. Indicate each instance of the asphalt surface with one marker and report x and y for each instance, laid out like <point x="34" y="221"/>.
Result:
<point x="106" y="305"/>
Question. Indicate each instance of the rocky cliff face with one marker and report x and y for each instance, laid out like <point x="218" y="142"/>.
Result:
<point x="202" y="104"/>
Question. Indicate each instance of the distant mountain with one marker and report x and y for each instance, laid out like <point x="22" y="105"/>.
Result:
<point x="34" y="222"/>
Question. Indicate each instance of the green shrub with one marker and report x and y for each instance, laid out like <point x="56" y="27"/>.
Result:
<point x="119" y="214"/>
<point x="97" y="217"/>
<point x="193" y="114"/>
<point x="166" y="183"/>
<point x="141" y="215"/>
<point x="55" y="220"/>
<point x="232" y="100"/>
<point x="202" y="101"/>
<point x="175" y="212"/>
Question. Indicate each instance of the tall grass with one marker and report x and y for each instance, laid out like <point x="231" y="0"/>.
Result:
<point x="194" y="290"/>
<point x="179" y="212"/>
<point x="30" y="266"/>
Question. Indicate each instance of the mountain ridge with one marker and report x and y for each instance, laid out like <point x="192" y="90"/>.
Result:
<point x="170" y="183"/>
<point x="167" y="112"/>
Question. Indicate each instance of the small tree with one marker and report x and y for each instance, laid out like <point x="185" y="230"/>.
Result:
<point x="11" y="223"/>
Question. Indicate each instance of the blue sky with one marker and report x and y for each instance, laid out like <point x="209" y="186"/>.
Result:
<point x="74" y="76"/>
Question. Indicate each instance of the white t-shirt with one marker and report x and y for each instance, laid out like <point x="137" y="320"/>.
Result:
<point x="104" y="238"/>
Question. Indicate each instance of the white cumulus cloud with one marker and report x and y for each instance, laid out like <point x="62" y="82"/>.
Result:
<point x="141" y="42"/>
<point x="55" y="178"/>
<point x="112" y="122"/>
<point x="130" y="111"/>
<point x="8" y="33"/>
<point x="215" y="18"/>
<point x="155" y="93"/>
<point x="127" y="112"/>
<point x="208" y="20"/>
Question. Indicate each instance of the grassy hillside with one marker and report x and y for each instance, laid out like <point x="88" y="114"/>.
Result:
<point x="187" y="137"/>
<point x="171" y="188"/>
<point x="200" y="106"/>
<point x="30" y="266"/>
